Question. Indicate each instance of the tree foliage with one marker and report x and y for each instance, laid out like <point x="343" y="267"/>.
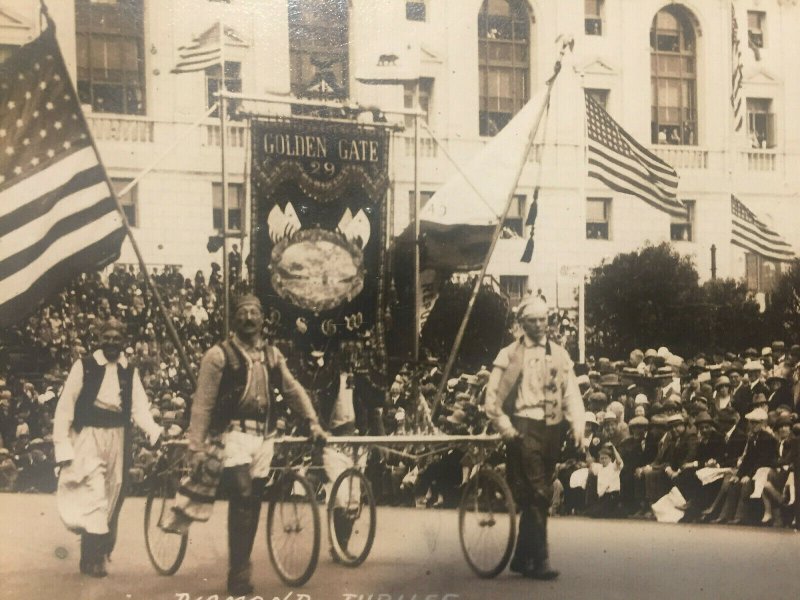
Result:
<point x="782" y="316"/>
<point x="651" y="298"/>
<point x="486" y="332"/>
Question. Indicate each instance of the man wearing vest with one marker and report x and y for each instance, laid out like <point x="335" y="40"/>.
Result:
<point x="532" y="393"/>
<point x="91" y="435"/>
<point x="234" y="403"/>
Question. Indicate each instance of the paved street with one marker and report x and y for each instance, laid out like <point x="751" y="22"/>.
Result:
<point x="416" y="552"/>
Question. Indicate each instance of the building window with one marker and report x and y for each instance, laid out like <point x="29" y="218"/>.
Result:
<point x="599" y="96"/>
<point x="504" y="28"/>
<point x="415" y="10"/>
<point x="756" y="27"/>
<point x="761" y="123"/>
<point x="514" y="286"/>
<point x="418" y="94"/>
<point x="424" y="196"/>
<point x="593" y="18"/>
<point x="680" y="229"/>
<point x="235" y="204"/>
<point x="673" y="57"/>
<point x="318" y="48"/>
<point x="110" y="55"/>
<point x="761" y="274"/>
<point x="598" y="218"/>
<point x="129" y="201"/>
<point x="233" y="83"/>
<point x="514" y="224"/>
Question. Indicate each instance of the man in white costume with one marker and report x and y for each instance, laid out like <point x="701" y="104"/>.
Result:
<point x="91" y="435"/>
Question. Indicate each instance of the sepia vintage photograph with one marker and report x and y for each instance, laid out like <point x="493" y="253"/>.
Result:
<point x="399" y="299"/>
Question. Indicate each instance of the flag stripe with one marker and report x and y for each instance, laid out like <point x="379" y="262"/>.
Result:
<point x="33" y="210"/>
<point x="57" y="211"/>
<point x="758" y="242"/>
<point x="756" y="249"/>
<point x="190" y="66"/>
<point x="637" y="185"/>
<point x="28" y="234"/>
<point x="626" y="189"/>
<point x="99" y="254"/>
<point x="750" y="233"/>
<point x="737" y="78"/>
<point x="198" y="51"/>
<point x="760" y="248"/>
<point x="642" y="175"/>
<point x="30" y="189"/>
<point x="622" y="163"/>
<point x="65" y="246"/>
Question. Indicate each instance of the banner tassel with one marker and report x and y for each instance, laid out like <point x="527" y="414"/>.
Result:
<point x="528" y="254"/>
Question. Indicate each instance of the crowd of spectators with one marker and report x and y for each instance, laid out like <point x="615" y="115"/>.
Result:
<point x="36" y="356"/>
<point x="714" y="437"/>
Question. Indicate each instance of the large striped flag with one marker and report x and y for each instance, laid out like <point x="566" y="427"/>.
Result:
<point x="750" y="233"/>
<point x="204" y="51"/>
<point x="58" y="216"/>
<point x="737" y="77"/>
<point x="624" y="165"/>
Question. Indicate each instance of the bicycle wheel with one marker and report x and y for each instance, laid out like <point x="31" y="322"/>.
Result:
<point x="166" y="550"/>
<point x="351" y="524"/>
<point x="293" y="529"/>
<point x="487" y="523"/>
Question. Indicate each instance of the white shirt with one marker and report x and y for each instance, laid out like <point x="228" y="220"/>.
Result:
<point x="608" y="479"/>
<point x="108" y="398"/>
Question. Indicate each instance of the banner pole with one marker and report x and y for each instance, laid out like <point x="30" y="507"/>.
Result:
<point x="226" y="293"/>
<point x="565" y="43"/>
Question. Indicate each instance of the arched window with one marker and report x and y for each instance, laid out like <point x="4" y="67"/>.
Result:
<point x="318" y="43"/>
<point x="504" y="28"/>
<point x="673" y="77"/>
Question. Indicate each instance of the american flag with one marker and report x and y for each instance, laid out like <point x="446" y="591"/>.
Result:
<point x="748" y="232"/>
<point x="58" y="216"/>
<point x="204" y="51"/>
<point x="736" y="80"/>
<point x="624" y="165"/>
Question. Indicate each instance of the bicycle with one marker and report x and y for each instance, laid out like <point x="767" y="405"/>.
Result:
<point x="293" y="520"/>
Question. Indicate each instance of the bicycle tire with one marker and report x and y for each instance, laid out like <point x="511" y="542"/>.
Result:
<point x="366" y="500"/>
<point x="488" y="492"/>
<point x="158" y="500"/>
<point x="284" y="517"/>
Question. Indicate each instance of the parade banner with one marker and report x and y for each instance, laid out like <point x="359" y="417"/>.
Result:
<point x="318" y="242"/>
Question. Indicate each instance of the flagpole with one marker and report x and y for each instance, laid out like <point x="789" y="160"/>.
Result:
<point x="566" y="42"/>
<point x="226" y="293"/>
<point x="128" y="231"/>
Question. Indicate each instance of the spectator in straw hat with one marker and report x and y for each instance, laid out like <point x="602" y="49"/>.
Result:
<point x="102" y="394"/>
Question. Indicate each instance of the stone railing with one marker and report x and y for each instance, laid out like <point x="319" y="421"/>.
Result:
<point x="760" y="160"/>
<point x="682" y="157"/>
<point x="121" y="128"/>
<point x="235" y="135"/>
<point x="427" y="147"/>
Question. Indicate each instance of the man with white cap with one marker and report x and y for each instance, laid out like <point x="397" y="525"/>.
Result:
<point x="234" y="403"/>
<point x="743" y="398"/>
<point x="91" y="436"/>
<point x="531" y="396"/>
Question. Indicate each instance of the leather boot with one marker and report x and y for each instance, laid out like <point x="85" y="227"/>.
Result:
<point x="241" y="532"/>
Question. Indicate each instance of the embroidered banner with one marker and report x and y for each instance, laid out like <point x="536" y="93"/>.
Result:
<point x="318" y="242"/>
